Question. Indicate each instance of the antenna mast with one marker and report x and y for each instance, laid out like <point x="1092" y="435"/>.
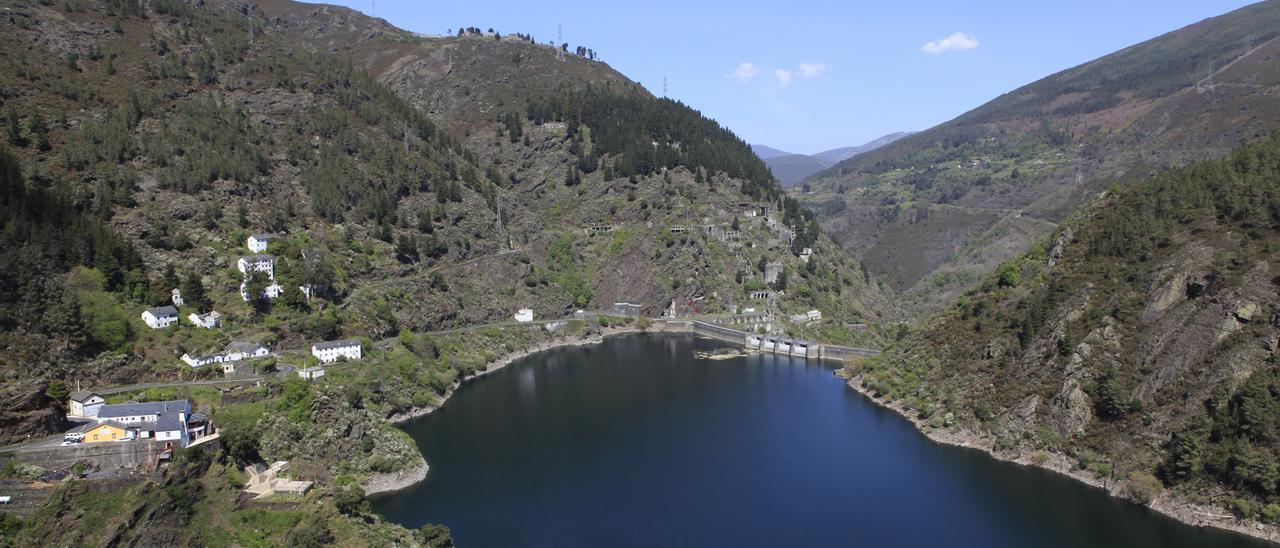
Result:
<point x="664" y="86"/>
<point x="559" y="43"/>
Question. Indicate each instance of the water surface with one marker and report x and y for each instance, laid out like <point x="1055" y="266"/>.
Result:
<point x="635" y="442"/>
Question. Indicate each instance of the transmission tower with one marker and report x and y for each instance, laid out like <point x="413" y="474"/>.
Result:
<point x="559" y="43"/>
<point x="664" y="86"/>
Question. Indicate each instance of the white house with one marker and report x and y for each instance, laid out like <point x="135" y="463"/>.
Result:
<point x="208" y="321"/>
<point x="164" y="420"/>
<point x="236" y="351"/>
<point x="331" y="351"/>
<point x="160" y="316"/>
<point x="311" y="373"/>
<point x="175" y="297"/>
<point x="524" y="315"/>
<point x="806" y="254"/>
<point x="85" y="404"/>
<point x="814" y="315"/>
<point x="258" y="242"/>
<point x="203" y="360"/>
<point x="257" y="263"/>
<point x="273" y="291"/>
<point x="239" y="350"/>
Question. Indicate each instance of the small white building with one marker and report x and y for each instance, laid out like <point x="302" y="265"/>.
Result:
<point x="806" y="254"/>
<point x="239" y="350"/>
<point x="257" y="263"/>
<point x="85" y="404"/>
<point x="332" y="351"/>
<point x="175" y="297"/>
<point x="258" y="242"/>
<point x="311" y="373"/>
<point x="160" y="317"/>
<point x="208" y="321"/>
<point x="273" y="291"/>
<point x="814" y="315"/>
<point x="234" y="352"/>
<point x="524" y="315"/>
<point x="203" y="360"/>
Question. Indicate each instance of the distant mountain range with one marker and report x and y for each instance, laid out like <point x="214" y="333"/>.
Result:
<point x="791" y="168"/>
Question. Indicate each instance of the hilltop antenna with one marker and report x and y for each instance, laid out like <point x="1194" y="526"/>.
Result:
<point x="664" y="86"/>
<point x="373" y="10"/>
<point x="559" y="43"/>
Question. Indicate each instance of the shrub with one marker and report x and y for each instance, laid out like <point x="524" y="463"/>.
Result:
<point x="1142" y="487"/>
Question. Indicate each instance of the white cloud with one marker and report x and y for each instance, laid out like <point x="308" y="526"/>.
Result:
<point x="744" y="73"/>
<point x="812" y="70"/>
<point x="783" y="76"/>
<point x="956" y="42"/>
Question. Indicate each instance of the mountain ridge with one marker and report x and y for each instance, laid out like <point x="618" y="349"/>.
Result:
<point x="979" y="189"/>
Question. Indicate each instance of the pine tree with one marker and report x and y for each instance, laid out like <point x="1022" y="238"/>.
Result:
<point x="38" y="134"/>
<point x="193" y="292"/>
<point x="15" y="132"/>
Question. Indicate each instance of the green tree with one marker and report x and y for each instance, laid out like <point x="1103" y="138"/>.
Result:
<point x="193" y="293"/>
<point x="1010" y="275"/>
<point x="15" y="131"/>
<point x="350" y="500"/>
<point x="434" y="535"/>
<point x="37" y="132"/>
<point x="58" y="393"/>
<point x="255" y="287"/>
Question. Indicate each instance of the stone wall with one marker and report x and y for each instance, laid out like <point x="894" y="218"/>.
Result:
<point x="105" y="456"/>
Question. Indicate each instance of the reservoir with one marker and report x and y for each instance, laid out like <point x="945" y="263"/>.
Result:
<point x="636" y="442"/>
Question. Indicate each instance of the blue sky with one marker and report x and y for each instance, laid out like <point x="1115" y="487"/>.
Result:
<point x="806" y="76"/>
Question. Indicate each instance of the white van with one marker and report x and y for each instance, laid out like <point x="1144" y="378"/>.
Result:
<point x="73" y="437"/>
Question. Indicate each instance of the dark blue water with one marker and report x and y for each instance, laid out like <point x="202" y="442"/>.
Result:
<point x="636" y="443"/>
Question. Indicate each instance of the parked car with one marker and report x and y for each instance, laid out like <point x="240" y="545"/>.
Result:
<point x="72" y="437"/>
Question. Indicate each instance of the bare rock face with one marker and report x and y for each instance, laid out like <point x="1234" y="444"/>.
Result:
<point x="26" y="412"/>
<point x="1071" y="410"/>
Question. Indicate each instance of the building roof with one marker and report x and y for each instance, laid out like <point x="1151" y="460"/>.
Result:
<point x="245" y="347"/>
<point x="169" y="422"/>
<point x="335" y="344"/>
<point x="133" y="408"/>
<point x="256" y="258"/>
<point x="270" y="236"/>
<point x="112" y="424"/>
<point x="163" y="311"/>
<point x="82" y="395"/>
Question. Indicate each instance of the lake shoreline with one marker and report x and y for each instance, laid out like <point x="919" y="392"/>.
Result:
<point x="1165" y="503"/>
<point x="396" y="481"/>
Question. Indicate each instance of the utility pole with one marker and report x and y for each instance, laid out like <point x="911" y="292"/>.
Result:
<point x="559" y="42"/>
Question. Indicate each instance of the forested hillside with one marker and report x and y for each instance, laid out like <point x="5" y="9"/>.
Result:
<point x="935" y="211"/>
<point x="1138" y="342"/>
<point x="414" y="184"/>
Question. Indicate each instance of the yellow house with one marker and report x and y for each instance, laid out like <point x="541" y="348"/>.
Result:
<point x="106" y="431"/>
